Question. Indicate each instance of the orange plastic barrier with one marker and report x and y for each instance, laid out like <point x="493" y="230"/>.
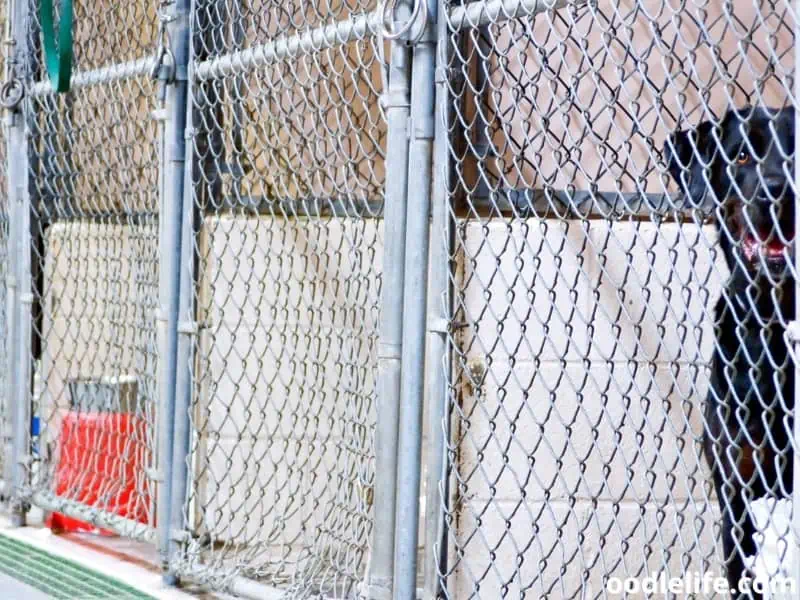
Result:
<point x="102" y="459"/>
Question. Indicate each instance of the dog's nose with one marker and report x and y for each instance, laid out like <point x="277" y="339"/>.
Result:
<point x="776" y="186"/>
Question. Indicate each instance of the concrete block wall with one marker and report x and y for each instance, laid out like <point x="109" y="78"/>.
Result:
<point x="581" y="382"/>
<point x="284" y="410"/>
<point x="593" y="339"/>
<point x="100" y="291"/>
<point x="99" y="297"/>
<point x="579" y="389"/>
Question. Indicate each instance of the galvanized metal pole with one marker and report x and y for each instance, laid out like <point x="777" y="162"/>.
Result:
<point x="19" y="254"/>
<point x="439" y="310"/>
<point x="10" y="342"/>
<point x="187" y="330"/>
<point x="381" y="562"/>
<point x="166" y="343"/>
<point x="173" y="159"/>
<point x="11" y="116"/>
<point x="415" y="295"/>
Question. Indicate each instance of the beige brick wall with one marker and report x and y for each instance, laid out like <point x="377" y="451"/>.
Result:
<point x="587" y="98"/>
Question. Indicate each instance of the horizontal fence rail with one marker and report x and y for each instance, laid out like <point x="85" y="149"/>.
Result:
<point x="103" y="76"/>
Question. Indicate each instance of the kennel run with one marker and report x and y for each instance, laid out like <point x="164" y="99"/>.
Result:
<point x="339" y="299"/>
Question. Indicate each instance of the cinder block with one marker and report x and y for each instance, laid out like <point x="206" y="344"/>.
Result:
<point x="655" y="287"/>
<point x="267" y="380"/>
<point x="319" y="272"/>
<point x="525" y="290"/>
<point x="290" y="493"/>
<point x="678" y="539"/>
<point x="99" y="271"/>
<point x="649" y="444"/>
<point x="543" y="551"/>
<point x="621" y="433"/>
<point x="520" y="549"/>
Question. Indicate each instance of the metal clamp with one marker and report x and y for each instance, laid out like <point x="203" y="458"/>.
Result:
<point x="11" y="93"/>
<point x="164" y="65"/>
<point x="419" y="17"/>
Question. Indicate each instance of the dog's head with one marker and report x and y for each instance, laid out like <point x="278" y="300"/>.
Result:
<point x="743" y="167"/>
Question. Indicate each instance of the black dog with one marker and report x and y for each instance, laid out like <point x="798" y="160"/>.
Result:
<point x="744" y="166"/>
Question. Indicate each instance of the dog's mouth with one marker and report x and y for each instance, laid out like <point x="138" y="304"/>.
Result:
<point x="768" y="246"/>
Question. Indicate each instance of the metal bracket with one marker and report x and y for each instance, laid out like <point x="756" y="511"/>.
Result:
<point x="164" y="67"/>
<point x="439" y="325"/>
<point x="188" y="327"/>
<point x="442" y="75"/>
<point x="179" y="536"/>
<point x="159" y="114"/>
<point x="11" y="93"/>
<point x="416" y="23"/>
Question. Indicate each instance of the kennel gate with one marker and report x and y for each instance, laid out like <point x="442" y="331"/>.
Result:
<point x="219" y="250"/>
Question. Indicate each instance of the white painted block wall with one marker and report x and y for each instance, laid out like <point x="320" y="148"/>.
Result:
<point x="577" y="449"/>
<point x="579" y="456"/>
<point x="285" y="414"/>
<point x="101" y="283"/>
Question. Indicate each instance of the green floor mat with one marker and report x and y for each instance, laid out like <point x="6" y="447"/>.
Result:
<point x="58" y="577"/>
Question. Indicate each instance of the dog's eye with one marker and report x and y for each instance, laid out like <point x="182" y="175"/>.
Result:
<point x="743" y="158"/>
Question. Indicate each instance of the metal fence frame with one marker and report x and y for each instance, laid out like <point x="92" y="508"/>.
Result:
<point x="415" y="348"/>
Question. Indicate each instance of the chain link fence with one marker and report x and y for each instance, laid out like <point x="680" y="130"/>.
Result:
<point x="5" y="431"/>
<point x="288" y="139"/>
<point x="94" y="203"/>
<point x="219" y="312"/>
<point x="583" y="316"/>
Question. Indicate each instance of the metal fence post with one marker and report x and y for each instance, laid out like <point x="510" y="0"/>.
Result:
<point x="396" y="98"/>
<point x="20" y="292"/>
<point x="186" y="325"/>
<point x="409" y="462"/>
<point x="173" y="160"/>
<point x="12" y="119"/>
<point x="439" y="310"/>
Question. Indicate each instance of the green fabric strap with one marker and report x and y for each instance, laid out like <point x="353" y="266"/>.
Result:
<point x="57" y="58"/>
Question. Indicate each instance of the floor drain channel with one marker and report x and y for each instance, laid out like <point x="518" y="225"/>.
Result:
<point x="58" y="577"/>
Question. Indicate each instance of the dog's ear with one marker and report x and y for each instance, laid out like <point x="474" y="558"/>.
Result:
<point x="683" y="152"/>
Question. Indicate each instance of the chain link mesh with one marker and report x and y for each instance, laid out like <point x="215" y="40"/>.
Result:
<point x="94" y="173"/>
<point x="590" y="365"/>
<point x="583" y="322"/>
<point x="289" y="176"/>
